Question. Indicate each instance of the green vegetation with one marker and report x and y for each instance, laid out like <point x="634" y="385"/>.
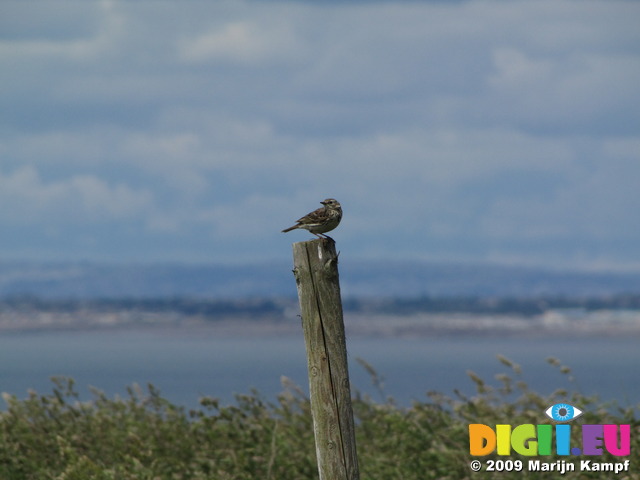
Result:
<point x="145" y="437"/>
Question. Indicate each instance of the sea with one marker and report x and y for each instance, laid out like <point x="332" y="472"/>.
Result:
<point x="185" y="366"/>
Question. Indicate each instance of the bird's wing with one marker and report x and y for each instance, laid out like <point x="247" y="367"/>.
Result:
<point x="316" y="216"/>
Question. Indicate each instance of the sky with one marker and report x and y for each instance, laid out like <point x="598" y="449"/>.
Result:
<point x="194" y="131"/>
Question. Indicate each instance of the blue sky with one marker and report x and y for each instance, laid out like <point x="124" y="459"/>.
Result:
<point x="472" y="131"/>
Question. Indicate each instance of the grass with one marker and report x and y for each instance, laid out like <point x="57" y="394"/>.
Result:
<point x="57" y="436"/>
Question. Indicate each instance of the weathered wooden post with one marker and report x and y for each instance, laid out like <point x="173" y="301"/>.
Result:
<point x="316" y="271"/>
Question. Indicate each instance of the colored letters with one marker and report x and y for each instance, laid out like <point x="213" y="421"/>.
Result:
<point x="530" y="440"/>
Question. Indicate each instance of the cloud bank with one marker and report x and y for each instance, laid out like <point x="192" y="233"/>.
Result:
<point x="472" y="131"/>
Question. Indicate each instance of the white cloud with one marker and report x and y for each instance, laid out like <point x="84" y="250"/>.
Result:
<point x="622" y="147"/>
<point x="59" y="147"/>
<point x="463" y="124"/>
<point x="27" y="198"/>
<point x="514" y="70"/>
<point x="563" y="92"/>
<point x="243" y="42"/>
<point x="61" y="30"/>
<point x="173" y="156"/>
<point x="592" y="202"/>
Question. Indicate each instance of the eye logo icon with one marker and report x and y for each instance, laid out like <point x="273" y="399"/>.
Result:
<point x="531" y="440"/>
<point x="563" y="412"/>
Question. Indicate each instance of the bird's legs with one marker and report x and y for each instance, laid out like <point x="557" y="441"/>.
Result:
<point x="324" y="237"/>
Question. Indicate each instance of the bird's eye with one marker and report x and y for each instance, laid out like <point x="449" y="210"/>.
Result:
<point x="563" y="412"/>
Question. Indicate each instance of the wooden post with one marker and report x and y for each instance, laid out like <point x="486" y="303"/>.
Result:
<point x="316" y="271"/>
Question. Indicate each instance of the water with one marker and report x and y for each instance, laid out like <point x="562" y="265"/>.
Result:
<point x="186" y="366"/>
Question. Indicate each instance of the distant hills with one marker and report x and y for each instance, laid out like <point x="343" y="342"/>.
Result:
<point x="379" y="298"/>
<point x="359" y="279"/>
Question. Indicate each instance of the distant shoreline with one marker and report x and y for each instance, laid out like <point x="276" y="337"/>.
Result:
<point x="554" y="323"/>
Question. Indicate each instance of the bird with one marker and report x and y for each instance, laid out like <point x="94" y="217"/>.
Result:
<point x="322" y="220"/>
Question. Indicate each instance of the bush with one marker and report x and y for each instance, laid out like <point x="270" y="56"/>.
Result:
<point x="145" y="437"/>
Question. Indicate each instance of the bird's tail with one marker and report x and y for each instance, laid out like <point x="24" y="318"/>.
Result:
<point x="289" y="229"/>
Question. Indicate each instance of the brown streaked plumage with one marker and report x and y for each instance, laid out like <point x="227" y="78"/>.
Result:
<point x="322" y="220"/>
